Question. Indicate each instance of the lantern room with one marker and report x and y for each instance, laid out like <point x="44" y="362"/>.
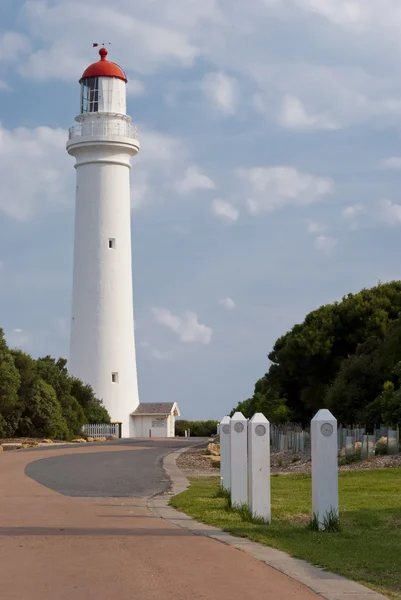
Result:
<point x="103" y="87"/>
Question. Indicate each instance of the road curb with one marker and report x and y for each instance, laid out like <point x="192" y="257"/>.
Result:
<point x="327" y="585"/>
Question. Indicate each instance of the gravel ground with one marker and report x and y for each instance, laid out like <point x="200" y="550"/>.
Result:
<point x="196" y="463"/>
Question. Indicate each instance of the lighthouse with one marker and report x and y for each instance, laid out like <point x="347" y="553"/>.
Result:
<point x="102" y="346"/>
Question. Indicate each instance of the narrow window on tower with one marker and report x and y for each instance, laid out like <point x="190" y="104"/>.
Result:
<point x="112" y="243"/>
<point x="114" y="377"/>
<point x="90" y="95"/>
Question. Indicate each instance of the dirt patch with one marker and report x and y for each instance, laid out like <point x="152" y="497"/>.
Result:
<point x="196" y="463"/>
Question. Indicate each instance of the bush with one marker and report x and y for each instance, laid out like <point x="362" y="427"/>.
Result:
<point x="93" y="408"/>
<point x="45" y="413"/>
<point x="197" y="428"/>
<point x="73" y="414"/>
<point x="39" y="397"/>
<point x="9" y="384"/>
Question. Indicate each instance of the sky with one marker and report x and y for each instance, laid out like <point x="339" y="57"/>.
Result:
<point x="268" y="181"/>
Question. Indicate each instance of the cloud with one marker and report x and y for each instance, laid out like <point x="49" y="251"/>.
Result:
<point x="325" y="85"/>
<point x="1" y="265"/>
<point x="148" y="38"/>
<point x="180" y="229"/>
<point x="4" y="86"/>
<point x="194" y="179"/>
<point x="49" y="172"/>
<point x="159" y="161"/>
<point x="161" y="355"/>
<point x="47" y="169"/>
<point x="17" y="338"/>
<point x="389" y="212"/>
<point x="325" y="244"/>
<point x="393" y="163"/>
<point x="135" y="88"/>
<point x="154" y="352"/>
<point x="294" y="116"/>
<point x="228" y="303"/>
<point x="346" y="13"/>
<point x="270" y="188"/>
<point x="224" y="210"/>
<point x="12" y="46"/>
<point x="314" y="227"/>
<point x="187" y="328"/>
<point x="351" y="211"/>
<point x="221" y="91"/>
<point x="353" y="15"/>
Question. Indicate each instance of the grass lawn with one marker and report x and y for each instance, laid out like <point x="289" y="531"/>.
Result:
<point x="368" y="547"/>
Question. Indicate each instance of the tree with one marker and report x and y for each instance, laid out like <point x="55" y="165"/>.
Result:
<point x="340" y="355"/>
<point x="93" y="408"/>
<point x="358" y="382"/>
<point x="306" y="360"/>
<point x="40" y="398"/>
<point x="55" y="373"/>
<point x="386" y="408"/>
<point x="197" y="428"/>
<point x="73" y="413"/>
<point x="45" y="413"/>
<point x="266" y="401"/>
<point x="9" y="384"/>
<point x="78" y="401"/>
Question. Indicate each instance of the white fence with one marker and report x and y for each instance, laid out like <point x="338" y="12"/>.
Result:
<point x="352" y="441"/>
<point x="359" y="443"/>
<point x="289" y="437"/>
<point x="103" y="430"/>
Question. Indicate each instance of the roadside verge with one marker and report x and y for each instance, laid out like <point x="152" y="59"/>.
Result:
<point x="328" y="585"/>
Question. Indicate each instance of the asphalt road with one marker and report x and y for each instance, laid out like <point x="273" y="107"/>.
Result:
<point x="111" y="474"/>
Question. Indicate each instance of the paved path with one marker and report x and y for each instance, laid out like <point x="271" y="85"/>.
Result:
<point x="60" y="541"/>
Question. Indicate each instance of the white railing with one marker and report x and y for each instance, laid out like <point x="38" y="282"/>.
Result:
<point x="101" y="430"/>
<point x="103" y="128"/>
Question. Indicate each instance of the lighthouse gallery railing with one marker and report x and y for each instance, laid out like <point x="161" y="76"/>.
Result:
<point x="103" y="128"/>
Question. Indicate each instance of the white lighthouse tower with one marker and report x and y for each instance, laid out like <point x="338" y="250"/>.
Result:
<point x="102" y="347"/>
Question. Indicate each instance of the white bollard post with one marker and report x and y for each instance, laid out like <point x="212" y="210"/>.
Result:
<point x="324" y="465"/>
<point x="259" y="467"/>
<point x="225" y="453"/>
<point x="239" y="459"/>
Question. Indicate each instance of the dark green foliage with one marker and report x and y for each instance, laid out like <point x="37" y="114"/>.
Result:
<point x="73" y="413"/>
<point x="45" y="413"/>
<point x="9" y="384"/>
<point x="38" y="398"/>
<point x="55" y="374"/>
<point x="386" y="408"/>
<point x="3" y="427"/>
<point x="358" y="382"/>
<point x="266" y="401"/>
<point x="94" y="410"/>
<point x="339" y="357"/>
<point x="197" y="428"/>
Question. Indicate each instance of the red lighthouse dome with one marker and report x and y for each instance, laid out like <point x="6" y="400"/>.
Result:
<point x="104" y="68"/>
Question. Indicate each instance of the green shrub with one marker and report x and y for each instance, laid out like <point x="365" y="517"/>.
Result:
<point x="197" y="428"/>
